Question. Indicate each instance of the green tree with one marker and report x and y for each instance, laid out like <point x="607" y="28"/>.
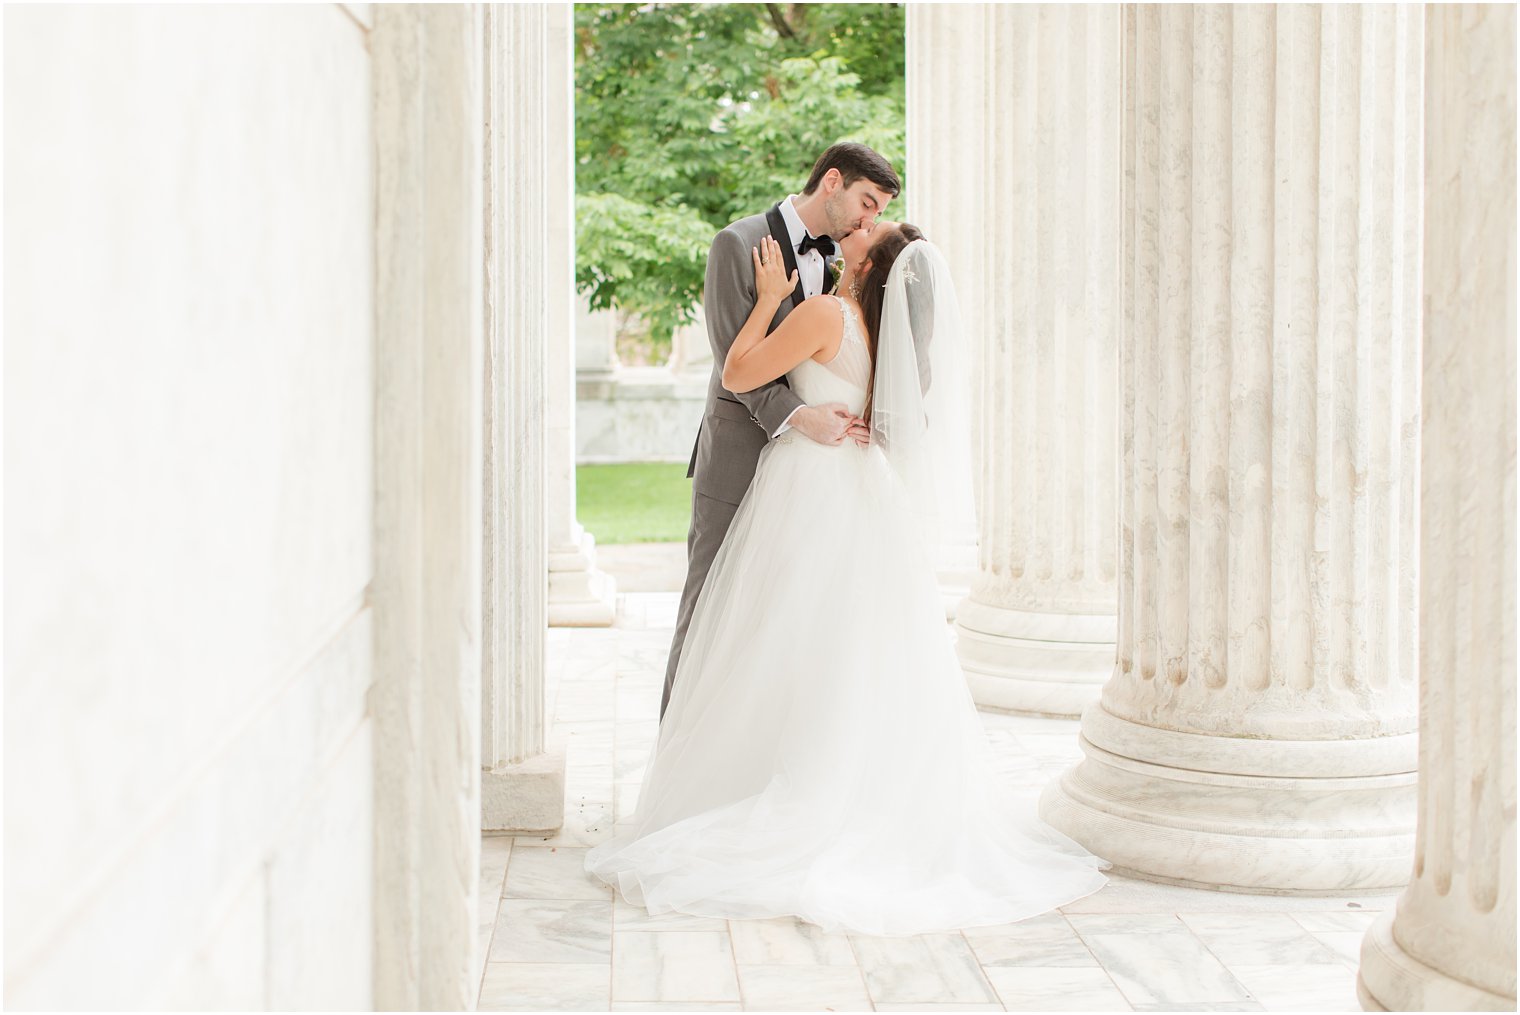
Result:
<point x="689" y="116"/>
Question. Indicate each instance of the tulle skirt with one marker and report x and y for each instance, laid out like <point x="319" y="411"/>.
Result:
<point x="821" y="756"/>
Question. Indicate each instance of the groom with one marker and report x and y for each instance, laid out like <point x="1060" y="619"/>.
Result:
<point x="849" y="186"/>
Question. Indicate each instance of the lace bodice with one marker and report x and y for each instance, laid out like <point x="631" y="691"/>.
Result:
<point x="843" y="378"/>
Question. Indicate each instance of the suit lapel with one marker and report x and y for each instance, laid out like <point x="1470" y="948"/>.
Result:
<point x="789" y="256"/>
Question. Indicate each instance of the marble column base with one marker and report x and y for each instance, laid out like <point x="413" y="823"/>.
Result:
<point x="526" y="797"/>
<point x="579" y="594"/>
<point x="1390" y="979"/>
<point x="1241" y="814"/>
<point x="1048" y="663"/>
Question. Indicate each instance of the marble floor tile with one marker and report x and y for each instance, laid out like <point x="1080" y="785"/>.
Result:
<point x="1301" y="988"/>
<point x="1128" y="894"/>
<point x="589" y="780"/>
<point x="1019" y="721"/>
<point x="495" y="852"/>
<point x="552" y="872"/>
<point x="649" y="639"/>
<point x="585" y="743"/>
<point x="586" y="762"/>
<point x="1204" y="1006"/>
<point x="626" y="916"/>
<point x="663" y="615"/>
<point x="585" y="696"/>
<point x="598" y="680"/>
<point x="625" y="800"/>
<point x="629" y="761"/>
<point x="677" y="965"/>
<point x="930" y="967"/>
<point x="1017" y="766"/>
<point x="802" y="988"/>
<point x="637" y="703"/>
<point x="1060" y="748"/>
<point x="1258" y="939"/>
<point x="644" y="567"/>
<point x="1155" y="959"/>
<point x="922" y="1006"/>
<point x="630" y="916"/>
<point x="561" y="940"/>
<point x="645" y="719"/>
<point x="1346" y="944"/>
<point x="568" y="661"/>
<point x="587" y="823"/>
<point x="545" y="986"/>
<point x="552" y="930"/>
<point x="645" y="655"/>
<point x="633" y="736"/>
<point x="575" y="707"/>
<point x="788" y="942"/>
<point x="1046" y="940"/>
<point x="677" y="1006"/>
<point x="1358" y="921"/>
<point x="587" y="735"/>
<point x="1056" y="989"/>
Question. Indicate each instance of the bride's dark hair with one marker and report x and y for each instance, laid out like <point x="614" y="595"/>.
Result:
<point x="873" y="287"/>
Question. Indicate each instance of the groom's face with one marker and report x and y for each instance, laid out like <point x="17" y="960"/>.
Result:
<point x="853" y="207"/>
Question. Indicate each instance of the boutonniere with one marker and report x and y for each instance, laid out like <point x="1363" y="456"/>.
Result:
<point x="838" y="266"/>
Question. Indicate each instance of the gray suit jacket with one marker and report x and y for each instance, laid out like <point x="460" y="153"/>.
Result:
<point x="735" y="428"/>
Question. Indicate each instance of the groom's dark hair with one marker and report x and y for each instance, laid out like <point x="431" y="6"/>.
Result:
<point x="854" y="162"/>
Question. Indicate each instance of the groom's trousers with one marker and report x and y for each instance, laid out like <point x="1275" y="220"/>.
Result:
<point x="710" y="519"/>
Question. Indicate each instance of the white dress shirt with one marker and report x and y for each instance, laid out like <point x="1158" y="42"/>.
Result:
<point x="809" y="265"/>
<point x="810" y="268"/>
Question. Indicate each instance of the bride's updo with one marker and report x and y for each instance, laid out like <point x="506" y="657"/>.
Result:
<point x="873" y="287"/>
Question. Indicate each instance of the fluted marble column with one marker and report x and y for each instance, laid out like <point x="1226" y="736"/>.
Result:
<point x="1014" y="160"/>
<point x="1258" y="732"/>
<point x="580" y="595"/>
<point x="1450" y="942"/>
<point x="523" y="784"/>
<point x="426" y="589"/>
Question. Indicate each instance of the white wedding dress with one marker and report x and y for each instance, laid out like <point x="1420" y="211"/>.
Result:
<point x="821" y="756"/>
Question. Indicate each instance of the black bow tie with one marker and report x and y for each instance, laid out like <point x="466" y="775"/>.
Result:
<point x="823" y="244"/>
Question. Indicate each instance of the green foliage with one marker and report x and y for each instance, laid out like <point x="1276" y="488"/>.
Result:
<point x="689" y="116"/>
<point x="646" y="257"/>
<point x="867" y="37"/>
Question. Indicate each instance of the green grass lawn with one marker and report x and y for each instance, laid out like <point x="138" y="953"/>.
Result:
<point x="641" y="502"/>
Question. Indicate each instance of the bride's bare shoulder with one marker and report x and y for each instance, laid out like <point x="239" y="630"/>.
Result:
<point x="820" y="316"/>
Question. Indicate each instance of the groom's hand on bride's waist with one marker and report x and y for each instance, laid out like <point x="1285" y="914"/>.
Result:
<point x="830" y="424"/>
<point x="860" y="431"/>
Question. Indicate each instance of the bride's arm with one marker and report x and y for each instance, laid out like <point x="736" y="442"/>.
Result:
<point x="756" y="358"/>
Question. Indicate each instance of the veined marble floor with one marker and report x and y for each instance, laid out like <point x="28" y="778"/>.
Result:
<point x="554" y="939"/>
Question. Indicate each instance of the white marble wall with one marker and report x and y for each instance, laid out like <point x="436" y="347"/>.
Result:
<point x="641" y="413"/>
<point x="690" y="349"/>
<point x="596" y="355"/>
<point x="1258" y="731"/>
<point x="650" y="414"/>
<point x="1014" y="156"/>
<point x="1450" y="944"/>
<point x="523" y="784"/>
<point x="189" y="374"/>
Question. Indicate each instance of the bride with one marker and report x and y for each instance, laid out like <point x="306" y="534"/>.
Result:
<point x="821" y="756"/>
